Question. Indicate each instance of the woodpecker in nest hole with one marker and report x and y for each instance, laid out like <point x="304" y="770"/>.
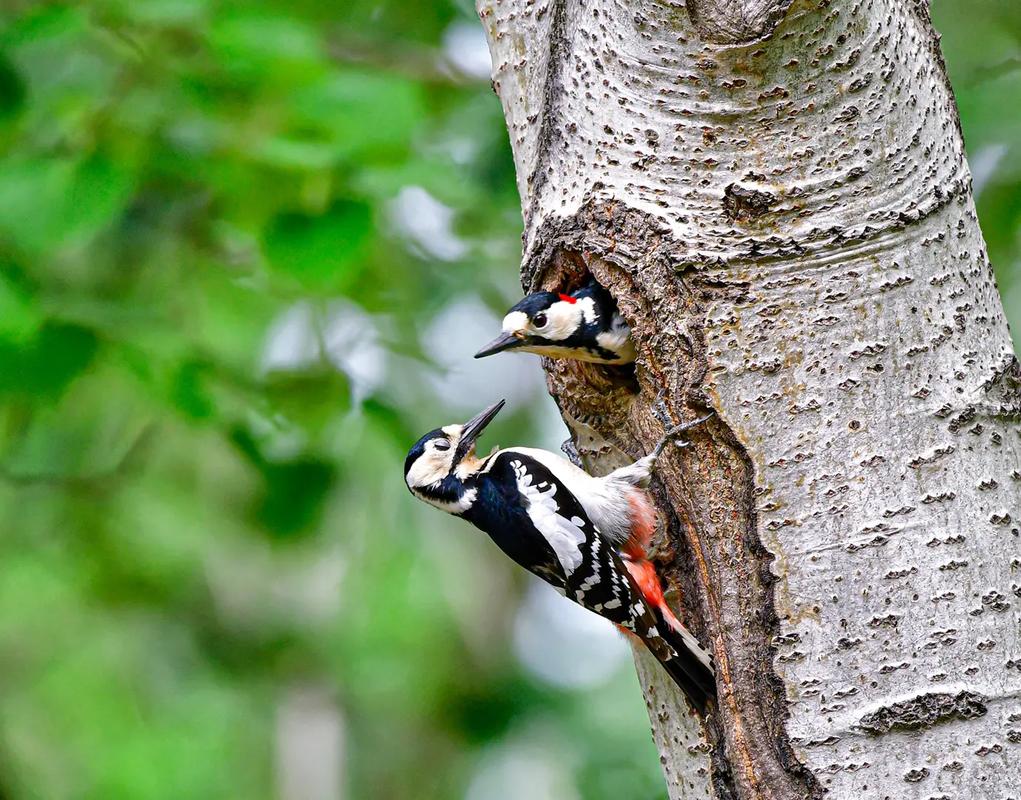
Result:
<point x="584" y="325"/>
<point x="565" y="526"/>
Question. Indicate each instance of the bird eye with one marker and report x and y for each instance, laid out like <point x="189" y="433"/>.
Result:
<point x="441" y="444"/>
<point x="539" y="320"/>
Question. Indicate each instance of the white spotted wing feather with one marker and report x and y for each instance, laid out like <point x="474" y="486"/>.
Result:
<point x="564" y="535"/>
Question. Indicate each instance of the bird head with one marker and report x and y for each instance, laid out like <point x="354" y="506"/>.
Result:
<point x="440" y="462"/>
<point x="542" y="323"/>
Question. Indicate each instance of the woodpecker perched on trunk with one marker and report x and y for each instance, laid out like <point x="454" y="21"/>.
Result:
<point x="563" y="525"/>
<point x="584" y="325"/>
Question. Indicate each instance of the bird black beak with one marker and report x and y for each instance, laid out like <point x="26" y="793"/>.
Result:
<point x="473" y="428"/>
<point x="505" y="341"/>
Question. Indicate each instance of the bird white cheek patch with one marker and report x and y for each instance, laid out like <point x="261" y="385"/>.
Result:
<point x="431" y="466"/>
<point x="564" y="319"/>
<point x="515" y="321"/>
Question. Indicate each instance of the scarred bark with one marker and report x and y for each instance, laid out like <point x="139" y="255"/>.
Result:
<point x="777" y="195"/>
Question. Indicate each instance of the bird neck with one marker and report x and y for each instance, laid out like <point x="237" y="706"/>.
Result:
<point x="602" y="303"/>
<point x="469" y="467"/>
<point x="451" y="494"/>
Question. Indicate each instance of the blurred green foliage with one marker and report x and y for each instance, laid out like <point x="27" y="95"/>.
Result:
<point x="194" y="531"/>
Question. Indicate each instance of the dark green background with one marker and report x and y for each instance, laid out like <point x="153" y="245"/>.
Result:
<point x="199" y="540"/>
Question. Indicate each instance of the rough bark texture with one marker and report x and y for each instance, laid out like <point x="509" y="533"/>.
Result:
<point x="776" y="193"/>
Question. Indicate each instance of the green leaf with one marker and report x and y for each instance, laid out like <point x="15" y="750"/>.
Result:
<point x="293" y="491"/>
<point x="266" y="46"/>
<point x="294" y="154"/>
<point x="311" y="399"/>
<point x="44" y="366"/>
<point x="320" y="251"/>
<point x="366" y="115"/>
<point x="19" y="313"/>
<point x="189" y="392"/>
<point x="12" y="89"/>
<point x="46" y="204"/>
<point x="100" y="189"/>
<point x="81" y="435"/>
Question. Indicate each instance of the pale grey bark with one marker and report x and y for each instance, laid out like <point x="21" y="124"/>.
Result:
<point x="776" y="192"/>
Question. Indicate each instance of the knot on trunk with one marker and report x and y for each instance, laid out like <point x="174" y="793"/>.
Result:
<point x="742" y="203"/>
<point x="924" y="711"/>
<point x="736" y="21"/>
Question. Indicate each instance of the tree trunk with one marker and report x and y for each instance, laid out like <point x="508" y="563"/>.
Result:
<point x="777" y="195"/>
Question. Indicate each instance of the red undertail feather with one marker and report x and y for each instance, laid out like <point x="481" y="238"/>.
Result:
<point x="647" y="580"/>
<point x="635" y="550"/>
<point x="643" y="524"/>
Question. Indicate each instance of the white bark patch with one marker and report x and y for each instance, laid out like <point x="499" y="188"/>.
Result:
<point x="871" y="498"/>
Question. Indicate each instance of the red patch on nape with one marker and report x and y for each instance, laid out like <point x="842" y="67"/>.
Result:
<point x="568" y="299"/>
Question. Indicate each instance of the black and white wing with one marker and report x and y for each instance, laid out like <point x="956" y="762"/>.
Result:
<point x="593" y="574"/>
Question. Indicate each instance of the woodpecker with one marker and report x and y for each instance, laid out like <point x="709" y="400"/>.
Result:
<point x="584" y="325"/>
<point x="563" y="525"/>
<point x="587" y="326"/>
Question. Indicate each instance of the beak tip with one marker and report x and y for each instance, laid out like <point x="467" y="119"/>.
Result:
<point x="473" y="428"/>
<point x="505" y="341"/>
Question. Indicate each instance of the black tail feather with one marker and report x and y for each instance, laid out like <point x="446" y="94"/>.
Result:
<point x="695" y="680"/>
<point x="690" y="667"/>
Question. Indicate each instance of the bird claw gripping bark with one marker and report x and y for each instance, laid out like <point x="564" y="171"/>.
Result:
<point x="571" y="451"/>
<point x="678" y="430"/>
<point x="660" y="411"/>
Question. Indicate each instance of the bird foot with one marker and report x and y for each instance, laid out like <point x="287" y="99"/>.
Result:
<point x="571" y="451"/>
<point x="679" y="430"/>
<point x="660" y="411"/>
